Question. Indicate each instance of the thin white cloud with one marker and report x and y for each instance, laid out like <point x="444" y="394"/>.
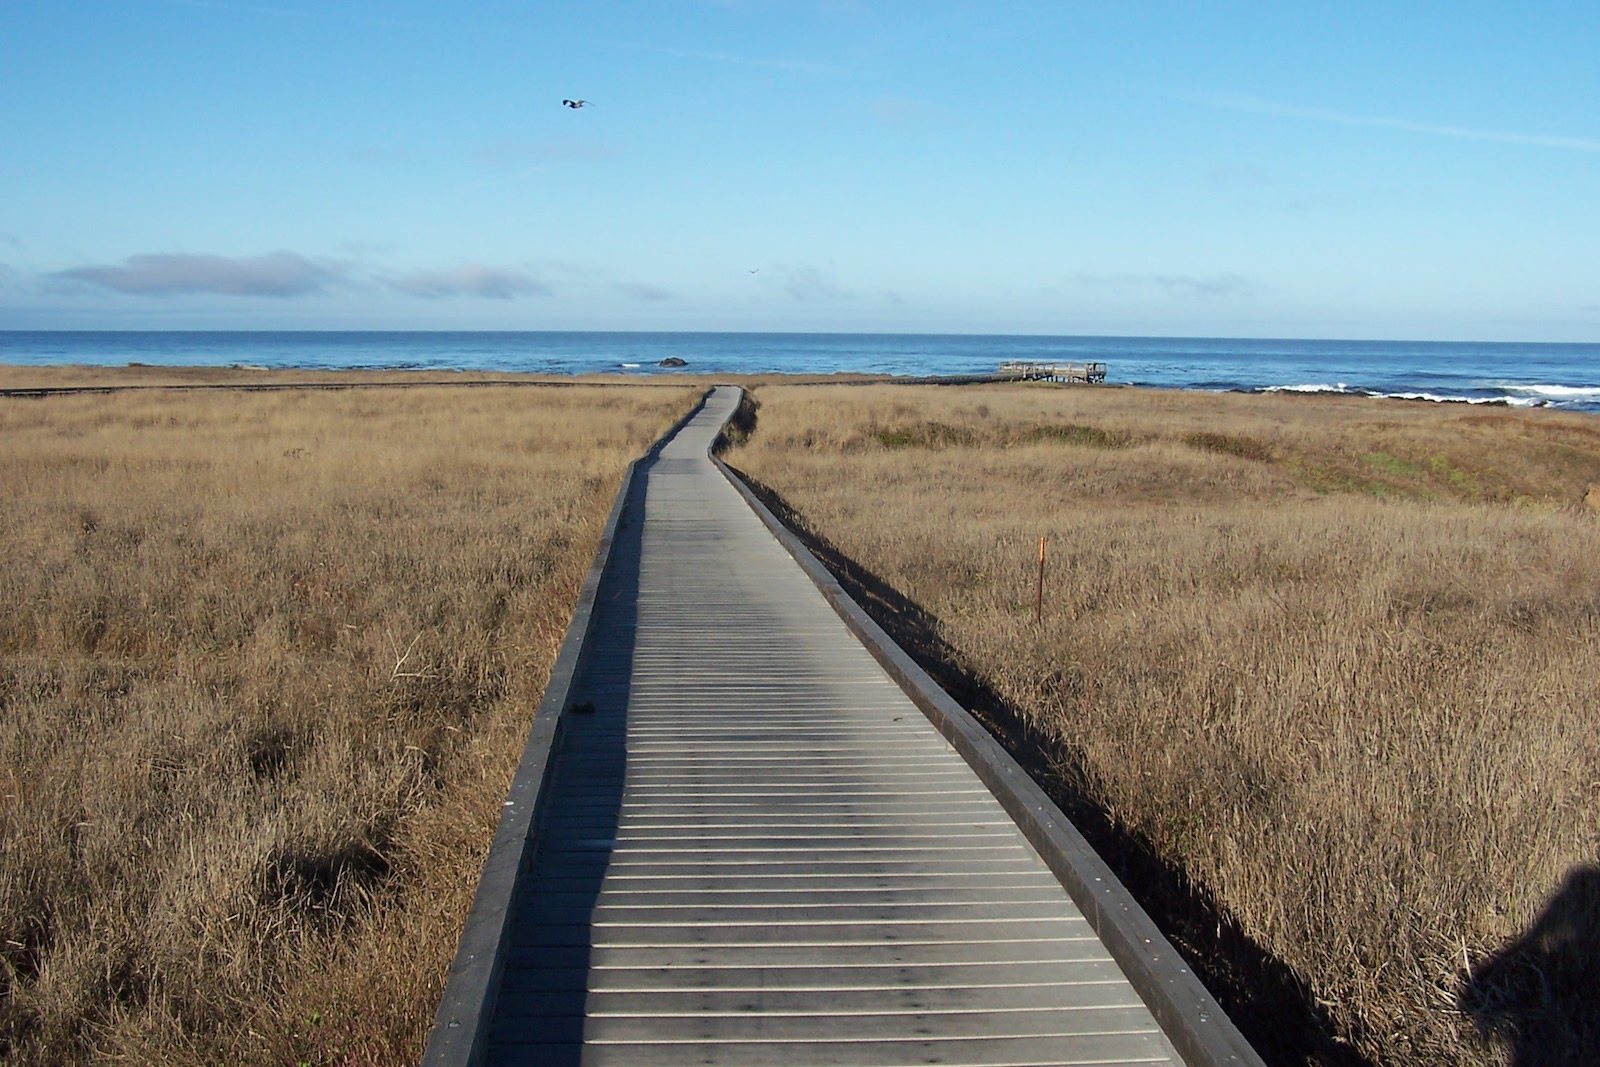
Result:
<point x="581" y="277"/>
<point x="364" y="249"/>
<point x="642" y="291"/>
<point x="807" y="283"/>
<point x="289" y="274"/>
<point x="493" y="283"/>
<point x="1255" y="105"/>
<point x="1203" y="286"/>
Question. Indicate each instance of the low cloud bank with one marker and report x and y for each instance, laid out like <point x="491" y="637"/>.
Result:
<point x="1193" y="285"/>
<point x="642" y="291"/>
<point x="289" y="274"/>
<point x="276" y="274"/>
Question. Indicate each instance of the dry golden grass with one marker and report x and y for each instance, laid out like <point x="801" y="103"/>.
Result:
<point x="1338" y="659"/>
<point x="266" y="662"/>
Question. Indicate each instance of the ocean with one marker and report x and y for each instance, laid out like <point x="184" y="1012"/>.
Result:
<point x="1524" y="375"/>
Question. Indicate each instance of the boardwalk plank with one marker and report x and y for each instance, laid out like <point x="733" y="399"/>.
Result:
<point x="754" y="1025"/>
<point x="855" y="913"/>
<point x="836" y="980"/>
<point x="746" y="898"/>
<point x="910" y="996"/>
<point x="818" y="932"/>
<point x="1080" y="948"/>
<point x="845" y="1052"/>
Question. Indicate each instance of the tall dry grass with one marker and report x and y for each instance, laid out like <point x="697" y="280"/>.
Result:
<point x="1337" y="659"/>
<point x="266" y="662"/>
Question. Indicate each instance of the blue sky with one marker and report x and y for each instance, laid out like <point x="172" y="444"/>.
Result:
<point x="1285" y="169"/>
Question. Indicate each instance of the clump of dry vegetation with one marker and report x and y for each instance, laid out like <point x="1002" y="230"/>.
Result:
<point x="1337" y="659"/>
<point x="266" y="661"/>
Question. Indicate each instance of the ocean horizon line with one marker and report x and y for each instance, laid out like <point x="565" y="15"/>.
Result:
<point x="1563" y="375"/>
<point x="491" y="332"/>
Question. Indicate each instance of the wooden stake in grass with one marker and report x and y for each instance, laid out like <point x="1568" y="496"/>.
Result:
<point x="1038" y="592"/>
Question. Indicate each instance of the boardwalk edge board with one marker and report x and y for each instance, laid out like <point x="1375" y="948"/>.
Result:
<point x="1193" y="1022"/>
<point x="459" y="1037"/>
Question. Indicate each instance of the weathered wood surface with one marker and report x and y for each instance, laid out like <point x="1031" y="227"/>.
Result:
<point x="755" y="849"/>
<point x="1054" y="372"/>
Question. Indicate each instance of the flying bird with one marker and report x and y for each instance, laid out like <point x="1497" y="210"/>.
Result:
<point x="575" y="104"/>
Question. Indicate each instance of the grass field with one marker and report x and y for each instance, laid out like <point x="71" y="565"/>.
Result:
<point x="266" y="663"/>
<point x="1336" y="660"/>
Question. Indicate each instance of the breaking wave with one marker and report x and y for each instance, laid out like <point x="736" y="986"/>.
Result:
<point x="1556" y="392"/>
<point x="1342" y="389"/>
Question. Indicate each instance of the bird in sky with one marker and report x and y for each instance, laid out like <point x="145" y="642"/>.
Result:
<point x="575" y="104"/>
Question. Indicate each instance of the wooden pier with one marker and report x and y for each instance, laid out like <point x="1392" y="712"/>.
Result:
<point x="1083" y="373"/>
<point x="736" y="838"/>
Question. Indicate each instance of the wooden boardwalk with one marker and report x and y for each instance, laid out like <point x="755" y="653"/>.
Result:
<point x="1090" y="373"/>
<point x="754" y="849"/>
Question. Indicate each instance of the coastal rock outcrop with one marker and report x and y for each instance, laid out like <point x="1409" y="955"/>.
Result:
<point x="673" y="361"/>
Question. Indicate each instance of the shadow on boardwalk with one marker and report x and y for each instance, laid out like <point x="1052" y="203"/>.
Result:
<point x="1540" y="994"/>
<point x="1274" y="1009"/>
<point x="539" y="1015"/>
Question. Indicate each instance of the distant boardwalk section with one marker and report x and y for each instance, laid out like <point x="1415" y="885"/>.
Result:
<point x="1089" y="373"/>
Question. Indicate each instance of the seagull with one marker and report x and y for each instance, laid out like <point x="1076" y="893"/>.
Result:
<point x="575" y="104"/>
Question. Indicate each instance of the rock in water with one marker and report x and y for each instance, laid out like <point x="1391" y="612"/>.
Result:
<point x="673" y="361"/>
